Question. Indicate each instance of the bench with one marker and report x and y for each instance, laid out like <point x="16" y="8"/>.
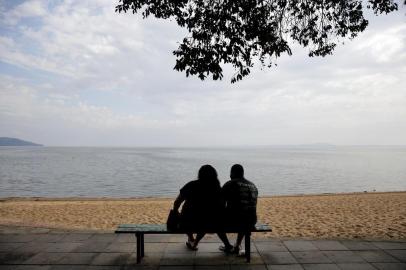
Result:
<point x="140" y="229"/>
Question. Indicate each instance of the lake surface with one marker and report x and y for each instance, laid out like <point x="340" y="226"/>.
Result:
<point x="161" y="172"/>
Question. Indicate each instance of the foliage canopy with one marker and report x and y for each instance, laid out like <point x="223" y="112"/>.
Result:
<point x="237" y="32"/>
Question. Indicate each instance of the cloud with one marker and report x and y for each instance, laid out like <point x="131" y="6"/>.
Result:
<point x="25" y="10"/>
<point x="20" y="102"/>
<point x="72" y="39"/>
<point x="386" y="46"/>
<point x="88" y="76"/>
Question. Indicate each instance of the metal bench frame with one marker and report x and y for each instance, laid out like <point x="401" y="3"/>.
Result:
<point x="140" y="229"/>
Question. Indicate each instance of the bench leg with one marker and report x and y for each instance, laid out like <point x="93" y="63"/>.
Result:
<point x="248" y="246"/>
<point x="142" y="245"/>
<point x="138" y="235"/>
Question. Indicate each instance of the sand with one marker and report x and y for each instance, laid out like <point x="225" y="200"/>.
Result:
<point x="360" y="215"/>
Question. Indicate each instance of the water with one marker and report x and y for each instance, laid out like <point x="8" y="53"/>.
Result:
<point x="160" y="172"/>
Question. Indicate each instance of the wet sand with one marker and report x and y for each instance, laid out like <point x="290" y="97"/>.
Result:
<point x="355" y="215"/>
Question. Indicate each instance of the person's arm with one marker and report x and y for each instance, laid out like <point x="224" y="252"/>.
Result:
<point x="179" y="200"/>
<point x="225" y="193"/>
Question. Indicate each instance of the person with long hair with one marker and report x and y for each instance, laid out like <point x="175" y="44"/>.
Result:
<point x="202" y="205"/>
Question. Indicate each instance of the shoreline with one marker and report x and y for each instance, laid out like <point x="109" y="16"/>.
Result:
<point x="151" y="198"/>
<point x="371" y="215"/>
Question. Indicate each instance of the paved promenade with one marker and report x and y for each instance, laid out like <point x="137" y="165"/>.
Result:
<point x="44" y="249"/>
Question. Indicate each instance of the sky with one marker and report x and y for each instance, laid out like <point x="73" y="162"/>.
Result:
<point x="75" y="73"/>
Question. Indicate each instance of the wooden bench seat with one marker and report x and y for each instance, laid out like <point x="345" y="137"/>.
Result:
<point x="140" y="229"/>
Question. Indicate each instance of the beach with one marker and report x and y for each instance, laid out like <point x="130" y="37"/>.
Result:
<point x="327" y="216"/>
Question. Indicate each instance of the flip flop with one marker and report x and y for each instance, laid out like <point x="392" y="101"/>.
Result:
<point x="190" y="246"/>
<point x="241" y="253"/>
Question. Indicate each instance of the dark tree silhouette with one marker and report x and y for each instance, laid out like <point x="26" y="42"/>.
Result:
<point x="239" y="31"/>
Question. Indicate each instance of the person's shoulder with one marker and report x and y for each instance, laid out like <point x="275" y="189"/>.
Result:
<point x="250" y="183"/>
<point x="228" y="183"/>
<point x="190" y="184"/>
<point x="194" y="183"/>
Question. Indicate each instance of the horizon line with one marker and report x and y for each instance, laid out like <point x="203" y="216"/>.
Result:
<point x="325" y="145"/>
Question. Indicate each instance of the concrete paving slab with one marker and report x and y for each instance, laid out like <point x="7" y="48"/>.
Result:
<point x="35" y="247"/>
<point x="177" y="238"/>
<point x="156" y="238"/>
<point x="355" y="266"/>
<point x="191" y="254"/>
<point x="314" y="256"/>
<point x="155" y="247"/>
<point x="17" y="238"/>
<point x="390" y="266"/>
<point x="132" y="261"/>
<point x="176" y="248"/>
<point x="177" y="267"/>
<point x="113" y="267"/>
<point x="69" y="267"/>
<point x="15" y="228"/>
<point x="248" y="267"/>
<point x="255" y="259"/>
<point x="103" y="237"/>
<point x="111" y="259"/>
<point x="132" y="267"/>
<point x="121" y="247"/>
<point x="40" y="230"/>
<point x="62" y="247"/>
<point x="45" y="258"/>
<point x="299" y="245"/>
<point x="8" y="247"/>
<point x="77" y="258"/>
<point x="209" y="247"/>
<point x="398" y="254"/>
<point x="126" y="238"/>
<point x="212" y="267"/>
<point x="376" y="256"/>
<point x="259" y="237"/>
<point x="8" y="267"/>
<point x="178" y="259"/>
<point x="211" y="258"/>
<point x="390" y="245"/>
<point x="49" y="238"/>
<point x="329" y="245"/>
<point x="76" y="237"/>
<point x="359" y="245"/>
<point x="59" y="231"/>
<point x="270" y="246"/>
<point x="9" y="230"/>
<point x="321" y="267"/>
<point x="15" y="257"/>
<point x="285" y="267"/>
<point x="30" y="267"/>
<point x="213" y="238"/>
<point x="343" y="256"/>
<point x="150" y="259"/>
<point x="92" y="246"/>
<point x="279" y="257"/>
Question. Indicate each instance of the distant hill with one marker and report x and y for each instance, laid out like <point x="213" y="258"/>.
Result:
<point x="5" y="141"/>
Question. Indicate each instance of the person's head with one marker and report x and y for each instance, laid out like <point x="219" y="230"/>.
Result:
<point x="208" y="174"/>
<point x="237" y="171"/>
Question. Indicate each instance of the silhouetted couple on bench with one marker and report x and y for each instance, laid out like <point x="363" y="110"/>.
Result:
<point x="208" y="207"/>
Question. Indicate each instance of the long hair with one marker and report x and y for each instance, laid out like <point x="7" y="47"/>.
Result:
<point x="208" y="175"/>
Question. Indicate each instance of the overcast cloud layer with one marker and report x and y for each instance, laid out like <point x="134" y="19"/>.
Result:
<point x="77" y="73"/>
